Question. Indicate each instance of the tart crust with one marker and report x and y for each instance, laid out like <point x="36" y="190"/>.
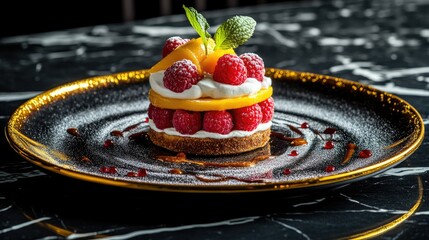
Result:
<point x="210" y="146"/>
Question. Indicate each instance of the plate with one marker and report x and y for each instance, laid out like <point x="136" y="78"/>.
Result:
<point x="327" y="132"/>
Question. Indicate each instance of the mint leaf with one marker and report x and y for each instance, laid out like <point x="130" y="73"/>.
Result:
<point x="199" y="23"/>
<point x="234" y="32"/>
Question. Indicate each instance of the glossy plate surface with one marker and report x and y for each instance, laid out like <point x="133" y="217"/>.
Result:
<point x="94" y="130"/>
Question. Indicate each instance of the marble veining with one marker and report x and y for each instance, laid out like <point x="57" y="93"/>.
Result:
<point x="229" y="222"/>
<point x="22" y="225"/>
<point x="16" y="96"/>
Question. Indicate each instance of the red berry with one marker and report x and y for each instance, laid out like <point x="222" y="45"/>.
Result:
<point x="150" y="110"/>
<point x="181" y="76"/>
<point x="218" y="122"/>
<point x="171" y="44"/>
<point x="230" y="69"/>
<point x="187" y="122"/>
<point x="267" y="108"/>
<point x="247" y="118"/>
<point x="162" y="118"/>
<point x="254" y="65"/>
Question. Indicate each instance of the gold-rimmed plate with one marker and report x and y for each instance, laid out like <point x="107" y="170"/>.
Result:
<point x="94" y="130"/>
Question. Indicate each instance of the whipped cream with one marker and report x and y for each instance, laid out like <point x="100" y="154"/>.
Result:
<point x="207" y="87"/>
<point x="205" y="134"/>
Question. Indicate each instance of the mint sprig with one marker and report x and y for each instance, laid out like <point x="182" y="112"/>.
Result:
<point x="199" y="23"/>
<point x="230" y="34"/>
<point x="234" y="32"/>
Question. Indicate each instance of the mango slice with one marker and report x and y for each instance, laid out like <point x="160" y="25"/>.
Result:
<point x="209" y="104"/>
<point x="193" y="50"/>
<point x="210" y="61"/>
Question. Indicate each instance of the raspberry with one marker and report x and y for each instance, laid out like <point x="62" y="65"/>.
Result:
<point x="267" y="108"/>
<point x="230" y="69"/>
<point x="187" y="122"/>
<point x="162" y="118"/>
<point x="150" y="110"/>
<point x="254" y="65"/>
<point x="247" y="118"/>
<point x="218" y="122"/>
<point x="171" y="44"/>
<point x="181" y="76"/>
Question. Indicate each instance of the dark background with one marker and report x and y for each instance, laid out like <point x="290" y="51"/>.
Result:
<point x="19" y="17"/>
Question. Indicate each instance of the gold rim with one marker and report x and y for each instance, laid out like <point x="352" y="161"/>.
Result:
<point x="23" y="146"/>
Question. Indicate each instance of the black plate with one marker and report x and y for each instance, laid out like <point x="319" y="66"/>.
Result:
<point x="338" y="111"/>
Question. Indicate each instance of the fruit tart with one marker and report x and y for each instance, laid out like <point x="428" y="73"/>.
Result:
<point x="205" y="99"/>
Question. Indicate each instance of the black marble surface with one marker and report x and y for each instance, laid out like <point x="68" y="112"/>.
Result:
<point x="380" y="43"/>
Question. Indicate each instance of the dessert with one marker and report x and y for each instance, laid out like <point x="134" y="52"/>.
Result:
<point x="205" y="99"/>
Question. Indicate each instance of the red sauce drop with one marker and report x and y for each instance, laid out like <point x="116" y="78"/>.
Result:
<point x="365" y="153"/>
<point x="140" y="173"/>
<point x="108" y="143"/>
<point x="73" y="132"/>
<point x="305" y="125"/>
<point x="286" y="171"/>
<point x="330" y="168"/>
<point x="116" y="133"/>
<point x="330" y="131"/>
<point x="293" y="153"/>
<point x="131" y="174"/>
<point x="105" y="169"/>
<point x="328" y="145"/>
<point x="146" y="120"/>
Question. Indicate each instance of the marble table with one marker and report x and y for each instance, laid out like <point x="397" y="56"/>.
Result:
<point x="384" y="44"/>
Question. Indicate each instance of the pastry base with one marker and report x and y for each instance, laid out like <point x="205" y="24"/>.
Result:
<point x="210" y="146"/>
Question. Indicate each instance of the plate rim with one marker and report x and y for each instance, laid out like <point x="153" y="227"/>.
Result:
<point x="92" y="83"/>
